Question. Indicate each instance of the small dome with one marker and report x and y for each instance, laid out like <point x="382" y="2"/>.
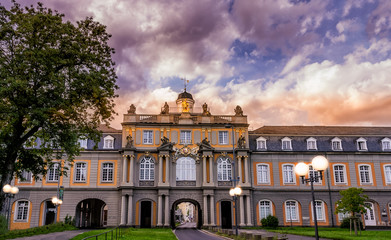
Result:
<point x="185" y="95"/>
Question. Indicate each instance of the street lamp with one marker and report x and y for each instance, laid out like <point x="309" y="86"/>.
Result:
<point x="56" y="201"/>
<point x="236" y="191"/>
<point x="10" y="192"/>
<point x="319" y="163"/>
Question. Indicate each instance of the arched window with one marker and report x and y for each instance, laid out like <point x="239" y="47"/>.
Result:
<point x="224" y="169"/>
<point x="291" y="210"/>
<point x="320" y="210"/>
<point x="265" y="209"/>
<point x="147" y="169"/>
<point x="185" y="169"/>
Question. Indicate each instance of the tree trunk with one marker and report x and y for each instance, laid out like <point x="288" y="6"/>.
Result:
<point x="7" y="178"/>
<point x="355" y="226"/>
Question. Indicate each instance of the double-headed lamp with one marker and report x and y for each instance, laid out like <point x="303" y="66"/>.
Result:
<point x="55" y="200"/>
<point x="232" y="192"/>
<point x="8" y="189"/>
<point x="301" y="169"/>
<point x="235" y="191"/>
<point x="320" y="163"/>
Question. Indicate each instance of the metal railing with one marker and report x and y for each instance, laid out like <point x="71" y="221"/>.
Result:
<point x="114" y="233"/>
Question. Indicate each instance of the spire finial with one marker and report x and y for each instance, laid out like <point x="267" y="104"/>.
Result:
<point x="185" y="82"/>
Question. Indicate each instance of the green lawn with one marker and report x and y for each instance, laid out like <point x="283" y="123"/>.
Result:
<point x="335" y="233"/>
<point x="57" y="227"/>
<point x="134" y="234"/>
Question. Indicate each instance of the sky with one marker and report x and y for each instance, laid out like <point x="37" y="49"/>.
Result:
<point x="285" y="62"/>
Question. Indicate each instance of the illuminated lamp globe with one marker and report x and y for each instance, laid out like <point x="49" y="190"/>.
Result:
<point x="54" y="200"/>
<point x="320" y="163"/>
<point x="232" y="192"/>
<point x="301" y="169"/>
<point x="14" y="190"/>
<point x="7" y="188"/>
<point x="59" y="202"/>
<point x="237" y="191"/>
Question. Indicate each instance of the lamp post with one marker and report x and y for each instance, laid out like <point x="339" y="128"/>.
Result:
<point x="10" y="192"/>
<point x="56" y="201"/>
<point x="319" y="163"/>
<point x="236" y="190"/>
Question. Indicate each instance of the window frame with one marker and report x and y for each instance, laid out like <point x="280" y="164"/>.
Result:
<point x="224" y="174"/>
<point x="312" y="144"/>
<point x="386" y="144"/>
<point x="107" y="172"/>
<point x="53" y="171"/>
<point x="187" y="169"/>
<point x="292" y="173"/>
<point x="336" y="140"/>
<point x="387" y="174"/>
<point x="83" y="142"/>
<point x="83" y="169"/>
<point x="261" y="172"/>
<point x="364" y="171"/>
<point x="27" y="177"/>
<point x="108" y="142"/>
<point x="322" y="209"/>
<point x="148" y="137"/>
<point x="185" y="137"/>
<point x="261" y="141"/>
<point x="337" y="175"/>
<point x="296" y="211"/>
<point x="288" y="145"/>
<point x="25" y="211"/>
<point x="223" y="140"/>
<point x="147" y="165"/>
<point x="262" y="209"/>
<point x="316" y="174"/>
<point x="361" y="144"/>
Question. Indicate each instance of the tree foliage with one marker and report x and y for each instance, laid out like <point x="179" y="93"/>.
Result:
<point x="57" y="83"/>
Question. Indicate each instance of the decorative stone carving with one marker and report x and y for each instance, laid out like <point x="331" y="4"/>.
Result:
<point x="165" y="109"/>
<point x="146" y="183"/>
<point x="241" y="142"/>
<point x="132" y="109"/>
<point x="224" y="183"/>
<point x="185" y="183"/>
<point x="238" y="111"/>
<point x="129" y="141"/>
<point x="205" y="111"/>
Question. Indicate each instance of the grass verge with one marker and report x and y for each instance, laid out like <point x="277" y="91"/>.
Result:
<point x="57" y="227"/>
<point x="135" y="234"/>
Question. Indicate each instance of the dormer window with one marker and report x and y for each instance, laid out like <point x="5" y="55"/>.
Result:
<point x="286" y="144"/>
<point x="336" y="144"/>
<point x="82" y="142"/>
<point x="261" y="143"/>
<point x="311" y="144"/>
<point x="108" y="142"/>
<point x="362" y="144"/>
<point x="386" y="144"/>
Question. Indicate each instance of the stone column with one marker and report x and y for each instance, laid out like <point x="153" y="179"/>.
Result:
<point x="160" y="170"/>
<point x="159" y="211"/>
<point x="167" y="211"/>
<point x="125" y="168"/>
<point x="203" y="170"/>
<point x="212" y="211"/>
<point x="239" y="161"/>
<point x="130" y="210"/>
<point x="241" y="206"/>
<point x="249" y="222"/>
<point x="167" y="169"/>
<point x="205" y="210"/>
<point x="131" y="171"/>
<point x="246" y="172"/>
<point x="123" y="210"/>
<point x="211" y="169"/>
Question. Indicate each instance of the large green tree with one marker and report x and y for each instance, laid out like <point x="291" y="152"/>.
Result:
<point x="57" y="83"/>
<point x="352" y="201"/>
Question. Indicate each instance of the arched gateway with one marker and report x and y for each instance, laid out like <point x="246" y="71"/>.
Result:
<point x="91" y="213"/>
<point x="196" y="217"/>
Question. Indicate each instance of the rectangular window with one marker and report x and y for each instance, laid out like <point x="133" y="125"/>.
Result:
<point x="387" y="173"/>
<point x="361" y="145"/>
<point x="223" y="137"/>
<point x="107" y="172"/>
<point x="286" y="145"/>
<point x="386" y="145"/>
<point x="337" y="146"/>
<point x="83" y="143"/>
<point x="319" y="210"/>
<point x="311" y="145"/>
<point x="288" y="174"/>
<point x="264" y="209"/>
<point x="22" y="211"/>
<point x="291" y="211"/>
<point x="186" y="137"/>
<point x="263" y="173"/>
<point x="261" y="144"/>
<point x="81" y="172"/>
<point x="365" y="174"/>
<point x="315" y="175"/>
<point x="342" y="216"/>
<point x="339" y="174"/>
<point x="147" y="136"/>
<point x="27" y="177"/>
<point x="52" y="175"/>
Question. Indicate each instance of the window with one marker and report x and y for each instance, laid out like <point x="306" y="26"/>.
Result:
<point x="286" y="144"/>
<point x="291" y="210"/>
<point x="311" y="143"/>
<point x="186" y="137"/>
<point x="336" y="144"/>
<point x="52" y="175"/>
<point x="387" y="173"/>
<point x="107" y="172"/>
<point x="26" y="177"/>
<point x="223" y="137"/>
<point x="263" y="173"/>
<point x="83" y="142"/>
<point x="386" y="144"/>
<point x="185" y="169"/>
<point x="22" y="211"/>
<point x="339" y="173"/>
<point x="108" y="142"/>
<point x="261" y="143"/>
<point x="81" y="172"/>
<point x="288" y="174"/>
<point x="147" y="169"/>
<point x="265" y="209"/>
<point x="365" y="174"/>
<point x="224" y="169"/>
<point x="342" y="216"/>
<point x="361" y="144"/>
<point x="320" y="213"/>
<point x="315" y="175"/>
<point x="147" y="136"/>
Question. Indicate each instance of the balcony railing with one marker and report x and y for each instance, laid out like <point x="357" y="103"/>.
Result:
<point x="175" y="119"/>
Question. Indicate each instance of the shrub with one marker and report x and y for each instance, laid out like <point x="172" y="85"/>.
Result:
<point x="70" y="220"/>
<point x="270" y="221"/>
<point x="3" y="225"/>
<point x="346" y="223"/>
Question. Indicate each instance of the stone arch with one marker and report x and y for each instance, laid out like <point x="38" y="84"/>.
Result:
<point x="198" y="211"/>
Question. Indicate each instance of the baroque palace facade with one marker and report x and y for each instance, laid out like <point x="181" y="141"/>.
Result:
<point x="137" y="176"/>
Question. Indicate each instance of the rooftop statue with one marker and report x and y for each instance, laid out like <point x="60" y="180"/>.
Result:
<point x="205" y="111"/>
<point x="132" y="109"/>
<point x="165" y="109"/>
<point x="129" y="141"/>
<point x="238" y="111"/>
<point x="241" y="142"/>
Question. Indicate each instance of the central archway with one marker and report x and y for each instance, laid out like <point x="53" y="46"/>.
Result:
<point x="195" y="216"/>
<point x="91" y="213"/>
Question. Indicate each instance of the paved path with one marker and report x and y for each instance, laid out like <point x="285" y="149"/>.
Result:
<point x="188" y="231"/>
<point x="66" y="235"/>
